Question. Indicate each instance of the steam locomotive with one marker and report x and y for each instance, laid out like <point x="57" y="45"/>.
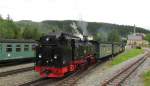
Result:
<point x="58" y="54"/>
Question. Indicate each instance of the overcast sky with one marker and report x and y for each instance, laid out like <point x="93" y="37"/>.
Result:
<point x="126" y="12"/>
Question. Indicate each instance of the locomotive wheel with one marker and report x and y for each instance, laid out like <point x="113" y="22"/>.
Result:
<point x="83" y="66"/>
<point x="89" y="62"/>
<point x="71" y="67"/>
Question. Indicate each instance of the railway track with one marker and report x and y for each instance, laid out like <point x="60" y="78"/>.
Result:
<point x="47" y="81"/>
<point x="14" y="62"/>
<point x="123" y="74"/>
<point x="68" y="80"/>
<point x="11" y="72"/>
<point x="44" y="81"/>
<point x="71" y="81"/>
<point x="39" y="82"/>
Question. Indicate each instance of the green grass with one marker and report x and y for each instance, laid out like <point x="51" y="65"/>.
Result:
<point x="126" y="55"/>
<point x="146" y="78"/>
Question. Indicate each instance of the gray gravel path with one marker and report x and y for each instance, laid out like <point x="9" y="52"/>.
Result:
<point x="4" y="69"/>
<point x="20" y="78"/>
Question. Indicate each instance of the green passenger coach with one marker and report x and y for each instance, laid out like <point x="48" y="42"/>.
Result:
<point x="14" y="49"/>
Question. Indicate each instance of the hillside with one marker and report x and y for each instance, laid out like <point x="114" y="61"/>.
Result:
<point x="93" y="27"/>
<point x="26" y="29"/>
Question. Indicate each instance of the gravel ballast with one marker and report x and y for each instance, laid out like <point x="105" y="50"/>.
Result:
<point x="101" y="73"/>
<point x="136" y="78"/>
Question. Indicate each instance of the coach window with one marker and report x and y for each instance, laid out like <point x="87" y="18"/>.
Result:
<point x="26" y="47"/>
<point x="9" y="48"/>
<point x="18" y="48"/>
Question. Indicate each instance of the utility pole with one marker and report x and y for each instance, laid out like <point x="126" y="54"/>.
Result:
<point x="8" y="17"/>
<point x="134" y="30"/>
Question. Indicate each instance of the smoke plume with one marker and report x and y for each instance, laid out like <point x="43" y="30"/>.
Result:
<point x="77" y="32"/>
<point x="83" y="26"/>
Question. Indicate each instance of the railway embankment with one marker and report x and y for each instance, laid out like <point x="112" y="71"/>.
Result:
<point x="146" y="77"/>
<point x="128" y="54"/>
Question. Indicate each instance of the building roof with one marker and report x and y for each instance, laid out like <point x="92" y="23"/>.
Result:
<point x="135" y="37"/>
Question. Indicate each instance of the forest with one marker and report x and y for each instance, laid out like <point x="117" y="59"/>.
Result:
<point x="27" y="29"/>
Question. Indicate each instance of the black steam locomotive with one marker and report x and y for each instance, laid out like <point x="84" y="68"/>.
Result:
<point x="60" y="53"/>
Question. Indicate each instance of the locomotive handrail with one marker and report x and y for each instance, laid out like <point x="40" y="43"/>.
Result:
<point x="49" y="44"/>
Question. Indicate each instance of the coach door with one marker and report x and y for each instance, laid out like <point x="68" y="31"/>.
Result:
<point x="0" y="48"/>
<point x="1" y="51"/>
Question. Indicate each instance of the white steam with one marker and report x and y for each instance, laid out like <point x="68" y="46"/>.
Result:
<point x="83" y="26"/>
<point x="77" y="33"/>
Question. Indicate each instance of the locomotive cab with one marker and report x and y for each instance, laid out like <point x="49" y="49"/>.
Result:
<point x="53" y="54"/>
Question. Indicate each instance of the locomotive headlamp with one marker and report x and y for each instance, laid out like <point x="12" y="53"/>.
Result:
<point x="47" y="39"/>
<point x="55" y="56"/>
<point x="40" y="56"/>
<point x="64" y="62"/>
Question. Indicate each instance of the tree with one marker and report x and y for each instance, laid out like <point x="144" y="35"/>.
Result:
<point x="17" y="33"/>
<point x="97" y="37"/>
<point x="114" y="36"/>
<point x="1" y="18"/>
<point x="8" y="29"/>
<point x="31" y="33"/>
<point x="9" y="34"/>
<point x="8" y="17"/>
<point x="147" y="37"/>
<point x="27" y="33"/>
<point x="36" y="32"/>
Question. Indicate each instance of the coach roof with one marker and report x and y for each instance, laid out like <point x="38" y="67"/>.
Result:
<point x="17" y="41"/>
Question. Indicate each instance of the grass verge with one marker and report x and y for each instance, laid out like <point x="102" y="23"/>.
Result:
<point x="146" y="78"/>
<point x="126" y="56"/>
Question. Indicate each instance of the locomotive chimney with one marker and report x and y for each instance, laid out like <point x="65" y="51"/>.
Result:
<point x="85" y="38"/>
